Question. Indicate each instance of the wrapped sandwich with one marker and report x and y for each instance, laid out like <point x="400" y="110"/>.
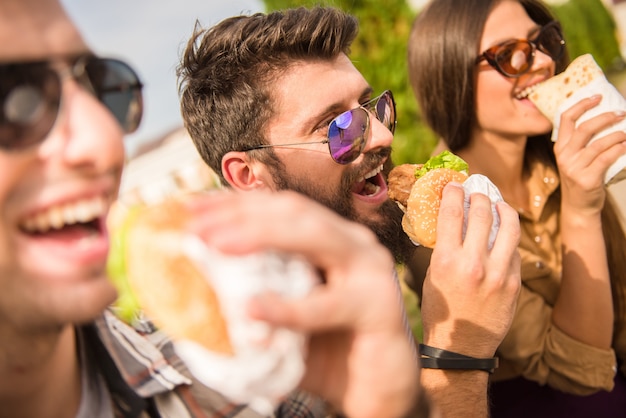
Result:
<point x="581" y="79"/>
<point x="198" y="297"/>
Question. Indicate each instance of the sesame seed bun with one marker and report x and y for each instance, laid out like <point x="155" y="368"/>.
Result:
<point x="422" y="208"/>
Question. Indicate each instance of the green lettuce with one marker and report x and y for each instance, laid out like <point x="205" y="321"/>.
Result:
<point x="446" y="159"/>
<point x="126" y="306"/>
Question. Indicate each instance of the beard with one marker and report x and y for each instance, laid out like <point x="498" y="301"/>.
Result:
<point x="388" y="227"/>
<point x="389" y="231"/>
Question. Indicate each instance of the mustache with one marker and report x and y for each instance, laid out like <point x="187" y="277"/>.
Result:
<point x="371" y="160"/>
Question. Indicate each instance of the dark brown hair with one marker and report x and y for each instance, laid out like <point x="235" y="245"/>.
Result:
<point x="226" y="73"/>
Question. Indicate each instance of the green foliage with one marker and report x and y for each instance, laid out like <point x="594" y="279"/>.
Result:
<point x="126" y="306"/>
<point x="589" y="28"/>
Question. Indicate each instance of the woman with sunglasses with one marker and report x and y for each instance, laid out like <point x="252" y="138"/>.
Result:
<point x="472" y="65"/>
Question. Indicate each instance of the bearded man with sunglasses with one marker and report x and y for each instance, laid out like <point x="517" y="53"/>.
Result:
<point x="62" y="353"/>
<point x="273" y="102"/>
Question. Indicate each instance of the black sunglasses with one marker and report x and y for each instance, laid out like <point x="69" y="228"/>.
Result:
<point x="30" y="96"/>
<point x="348" y="132"/>
<point x="515" y="57"/>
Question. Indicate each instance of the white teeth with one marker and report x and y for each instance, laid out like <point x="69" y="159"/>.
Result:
<point x="82" y="212"/>
<point x="40" y="222"/>
<point x="525" y="93"/>
<point x="58" y="216"/>
<point x="68" y="214"/>
<point x="55" y="217"/>
<point x="372" y="173"/>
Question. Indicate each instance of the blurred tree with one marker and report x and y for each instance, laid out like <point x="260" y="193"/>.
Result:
<point x="590" y="28"/>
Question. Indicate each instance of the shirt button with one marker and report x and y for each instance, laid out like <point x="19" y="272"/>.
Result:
<point x="537" y="239"/>
<point x="539" y="264"/>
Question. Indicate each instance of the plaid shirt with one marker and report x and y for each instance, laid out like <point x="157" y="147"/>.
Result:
<point x="146" y="378"/>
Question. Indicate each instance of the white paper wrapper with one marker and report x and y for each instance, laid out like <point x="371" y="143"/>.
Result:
<point x="269" y="362"/>
<point x="477" y="183"/>
<point x="612" y="100"/>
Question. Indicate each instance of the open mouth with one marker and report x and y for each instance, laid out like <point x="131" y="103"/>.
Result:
<point x="74" y="220"/>
<point x="370" y="184"/>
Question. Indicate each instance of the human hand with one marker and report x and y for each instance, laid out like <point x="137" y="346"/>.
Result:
<point x="583" y="160"/>
<point x="360" y="356"/>
<point x="470" y="292"/>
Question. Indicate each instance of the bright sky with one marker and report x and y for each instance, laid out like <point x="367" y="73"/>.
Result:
<point x="149" y="35"/>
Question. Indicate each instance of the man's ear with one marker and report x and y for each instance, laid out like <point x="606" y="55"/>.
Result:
<point x="242" y="173"/>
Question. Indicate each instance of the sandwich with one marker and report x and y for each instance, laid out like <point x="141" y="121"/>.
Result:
<point x="417" y="189"/>
<point x="581" y="79"/>
<point x="198" y="296"/>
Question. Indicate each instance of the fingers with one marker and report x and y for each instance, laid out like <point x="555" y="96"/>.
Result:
<point x="309" y="314"/>
<point x="585" y="131"/>
<point x="506" y="247"/>
<point x="479" y="222"/>
<point x="251" y="221"/>
<point x="348" y="256"/>
<point x="502" y="260"/>
<point x="569" y="118"/>
<point x="509" y="233"/>
<point x="470" y="283"/>
<point x="576" y="132"/>
<point x="450" y="218"/>
<point x="589" y="142"/>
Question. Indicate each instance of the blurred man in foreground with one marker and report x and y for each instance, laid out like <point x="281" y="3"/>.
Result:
<point x="63" y="354"/>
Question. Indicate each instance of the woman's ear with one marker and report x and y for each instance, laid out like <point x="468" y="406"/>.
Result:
<point x="242" y="173"/>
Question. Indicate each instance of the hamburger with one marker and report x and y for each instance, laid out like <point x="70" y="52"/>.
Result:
<point x="417" y="189"/>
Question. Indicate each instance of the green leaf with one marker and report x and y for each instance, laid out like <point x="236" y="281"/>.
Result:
<point x="126" y="306"/>
<point x="446" y="159"/>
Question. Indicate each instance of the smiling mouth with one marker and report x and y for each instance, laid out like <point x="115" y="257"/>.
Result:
<point x="85" y="214"/>
<point x="368" y="185"/>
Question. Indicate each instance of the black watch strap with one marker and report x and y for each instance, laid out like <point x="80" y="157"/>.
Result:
<point x="438" y="358"/>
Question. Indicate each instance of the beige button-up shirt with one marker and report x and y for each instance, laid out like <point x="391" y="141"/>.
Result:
<point x="534" y="347"/>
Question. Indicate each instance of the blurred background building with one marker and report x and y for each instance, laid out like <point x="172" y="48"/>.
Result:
<point x="164" y="167"/>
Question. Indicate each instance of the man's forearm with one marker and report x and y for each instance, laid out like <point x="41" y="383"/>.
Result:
<point x="457" y="393"/>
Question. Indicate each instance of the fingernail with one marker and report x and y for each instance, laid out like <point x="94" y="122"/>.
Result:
<point x="455" y="184"/>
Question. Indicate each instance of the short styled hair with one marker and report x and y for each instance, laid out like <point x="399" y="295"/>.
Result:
<point x="226" y="73"/>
